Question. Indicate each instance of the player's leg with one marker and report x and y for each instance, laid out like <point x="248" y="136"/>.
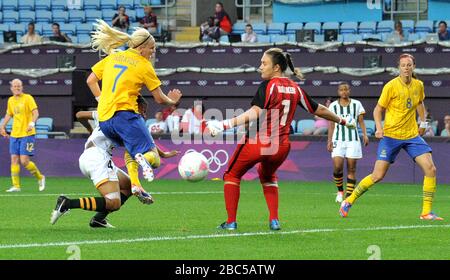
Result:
<point x="14" y="150"/>
<point x="425" y="161"/>
<point x="351" y="176"/>
<point x="26" y="151"/>
<point x="338" y="177"/>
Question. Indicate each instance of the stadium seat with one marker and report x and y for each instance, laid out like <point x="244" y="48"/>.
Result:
<point x="43" y="5"/>
<point x="1" y="16"/>
<point x="316" y="26"/>
<point x="260" y="28"/>
<point x="137" y="4"/>
<point x="68" y="28"/>
<point x="108" y="4"/>
<point x="367" y="27"/>
<point x="319" y="38"/>
<point x="155" y="2"/>
<point x="292" y="38"/>
<point x="27" y="16"/>
<point x="60" y="16"/>
<point x="43" y="16"/>
<point x="263" y="38"/>
<point x="275" y="28"/>
<point x="238" y="28"/>
<point x="276" y="38"/>
<point x="224" y="39"/>
<point x="44" y="124"/>
<point x="413" y="37"/>
<point x="19" y="28"/>
<point x="92" y="15"/>
<point x="370" y="127"/>
<point x="47" y="29"/>
<point x="132" y="15"/>
<point x="408" y="25"/>
<point x="330" y="25"/>
<point x="41" y="134"/>
<point x="304" y="124"/>
<point x="293" y="126"/>
<point x="92" y="5"/>
<point x="84" y="28"/>
<point x="10" y="5"/>
<point x="76" y="16"/>
<point x="73" y="38"/>
<point x="59" y="5"/>
<point x="84" y="38"/>
<point x="349" y="27"/>
<point x="108" y="15"/>
<point x="128" y="4"/>
<point x="292" y="27"/>
<point x="352" y="37"/>
<point x="10" y="16"/>
<point x="385" y="26"/>
<point x="149" y="122"/>
<point x="422" y="35"/>
<point x="139" y="13"/>
<point x="371" y="37"/>
<point x="26" y="5"/>
<point x="8" y="125"/>
<point x="424" y="26"/>
<point x="37" y="28"/>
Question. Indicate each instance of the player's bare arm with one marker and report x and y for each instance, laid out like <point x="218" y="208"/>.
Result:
<point x="423" y="123"/>
<point x="83" y="117"/>
<point x="169" y="154"/>
<point x="3" y="126"/>
<point x="34" y="117"/>
<point x="377" y="117"/>
<point x="92" y="82"/>
<point x="172" y="98"/>
<point x="363" y="128"/>
<point x="325" y="113"/>
<point x="330" y="136"/>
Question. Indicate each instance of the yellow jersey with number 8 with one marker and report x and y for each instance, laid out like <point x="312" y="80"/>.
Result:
<point x="123" y="74"/>
<point x="401" y="101"/>
<point x="20" y="109"/>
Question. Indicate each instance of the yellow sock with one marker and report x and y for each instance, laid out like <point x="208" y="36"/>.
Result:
<point x="362" y="187"/>
<point x="429" y="188"/>
<point x="34" y="170"/>
<point x="133" y="169"/>
<point x="15" y="175"/>
<point x="153" y="158"/>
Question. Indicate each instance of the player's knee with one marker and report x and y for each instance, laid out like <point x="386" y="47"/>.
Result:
<point x="113" y="204"/>
<point x="338" y="171"/>
<point x="24" y="161"/>
<point x="377" y="177"/>
<point x="351" y="169"/>
<point x="230" y="178"/>
<point x="431" y="170"/>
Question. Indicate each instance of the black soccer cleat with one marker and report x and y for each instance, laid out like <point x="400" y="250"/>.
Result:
<point x="61" y="208"/>
<point x="94" y="223"/>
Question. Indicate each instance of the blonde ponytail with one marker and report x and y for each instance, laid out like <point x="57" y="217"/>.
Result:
<point x="107" y="39"/>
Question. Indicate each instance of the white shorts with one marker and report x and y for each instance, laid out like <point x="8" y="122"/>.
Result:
<point x="97" y="165"/>
<point x="347" y="149"/>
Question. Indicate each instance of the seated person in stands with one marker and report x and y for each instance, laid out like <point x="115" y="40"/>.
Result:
<point x="31" y="37"/>
<point x="209" y="31"/>
<point x="149" y="20"/>
<point x="159" y="127"/>
<point x="320" y="125"/>
<point x="58" y="36"/>
<point x="120" y="20"/>
<point x="172" y="118"/>
<point x="398" y="35"/>
<point x="446" y="131"/>
<point x="222" y="20"/>
<point x="443" y="33"/>
<point x="192" y="121"/>
<point x="249" y="36"/>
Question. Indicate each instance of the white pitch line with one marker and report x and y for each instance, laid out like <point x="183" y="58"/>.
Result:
<point x="75" y="194"/>
<point x="211" y="236"/>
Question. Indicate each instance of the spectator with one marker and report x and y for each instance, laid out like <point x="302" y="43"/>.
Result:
<point x="172" y="118"/>
<point x="31" y="37"/>
<point x="320" y="124"/>
<point x="446" y="131"/>
<point x="222" y="20"/>
<point x="443" y="33"/>
<point x="398" y="35"/>
<point x="120" y="20"/>
<point x="58" y="36"/>
<point x="209" y="31"/>
<point x="249" y="36"/>
<point x="159" y="127"/>
<point x="192" y="121"/>
<point x="149" y="20"/>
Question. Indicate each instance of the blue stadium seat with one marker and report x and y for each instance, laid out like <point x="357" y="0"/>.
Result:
<point x="408" y="25"/>
<point x="108" y="15"/>
<point x="41" y="134"/>
<point x="385" y="26"/>
<point x="92" y="15"/>
<point x="44" y="124"/>
<point x="413" y="37"/>
<point x="224" y="39"/>
<point x="19" y="28"/>
<point x="292" y="27"/>
<point x="10" y="16"/>
<point x="108" y="4"/>
<point x="422" y="35"/>
<point x="238" y="28"/>
<point x="293" y="126"/>
<point x="132" y="15"/>
<point x="26" y="5"/>
<point x="1" y="16"/>
<point x="10" y="5"/>
<point x="84" y="28"/>
<point x="370" y="127"/>
<point x="275" y="28"/>
<point x="292" y="38"/>
<point x="263" y="38"/>
<point x="47" y="29"/>
<point x="43" y="16"/>
<point x="316" y="26"/>
<point x="59" y="5"/>
<point x="76" y="16"/>
<point x="155" y="2"/>
<point x="27" y="16"/>
<point x="43" y="5"/>
<point x="329" y="25"/>
<point x="352" y="37"/>
<point x="137" y="4"/>
<point x="319" y="38"/>
<point x="277" y="38"/>
<point x="149" y="122"/>
<point x="37" y="28"/>
<point x="84" y="38"/>
<point x="368" y="36"/>
<point x="60" y="16"/>
<point x="424" y="26"/>
<point x="139" y="13"/>
<point x="68" y="28"/>
<point x="128" y="4"/>
<point x="73" y="38"/>
<point x="349" y="27"/>
<point x="367" y="27"/>
<point x="304" y="124"/>
<point x="91" y="5"/>
<point x="259" y="28"/>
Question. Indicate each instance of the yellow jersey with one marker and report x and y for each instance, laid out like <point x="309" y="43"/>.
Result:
<point x="400" y="101"/>
<point x="123" y="73"/>
<point x="20" y="108"/>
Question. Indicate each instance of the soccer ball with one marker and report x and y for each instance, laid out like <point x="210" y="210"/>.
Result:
<point x="193" y="167"/>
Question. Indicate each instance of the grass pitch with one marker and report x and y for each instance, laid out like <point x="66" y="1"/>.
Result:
<point x="181" y="224"/>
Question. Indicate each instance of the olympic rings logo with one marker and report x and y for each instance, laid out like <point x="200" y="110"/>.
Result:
<point x="219" y="158"/>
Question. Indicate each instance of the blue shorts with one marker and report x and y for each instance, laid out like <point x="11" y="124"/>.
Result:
<point x="128" y="129"/>
<point x="388" y="148"/>
<point x="21" y="146"/>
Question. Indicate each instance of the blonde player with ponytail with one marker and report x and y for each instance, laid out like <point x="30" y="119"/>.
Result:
<point x="123" y="74"/>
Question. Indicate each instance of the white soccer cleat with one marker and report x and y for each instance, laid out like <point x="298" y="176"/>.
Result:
<point x="147" y="170"/>
<point x="13" y="189"/>
<point x="339" y="197"/>
<point x="60" y="209"/>
<point x="142" y="195"/>
<point x="42" y="184"/>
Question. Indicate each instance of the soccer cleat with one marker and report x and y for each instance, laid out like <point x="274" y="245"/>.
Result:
<point x="431" y="216"/>
<point x="94" y="223"/>
<point x="60" y="209"/>
<point x="345" y="207"/>
<point x="339" y="197"/>
<point x="142" y="195"/>
<point x="13" y="189"/>
<point x="228" y="226"/>
<point x="274" y="224"/>
<point x="42" y="184"/>
<point x="147" y="170"/>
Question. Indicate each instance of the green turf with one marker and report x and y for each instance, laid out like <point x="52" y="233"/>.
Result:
<point x="190" y="220"/>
